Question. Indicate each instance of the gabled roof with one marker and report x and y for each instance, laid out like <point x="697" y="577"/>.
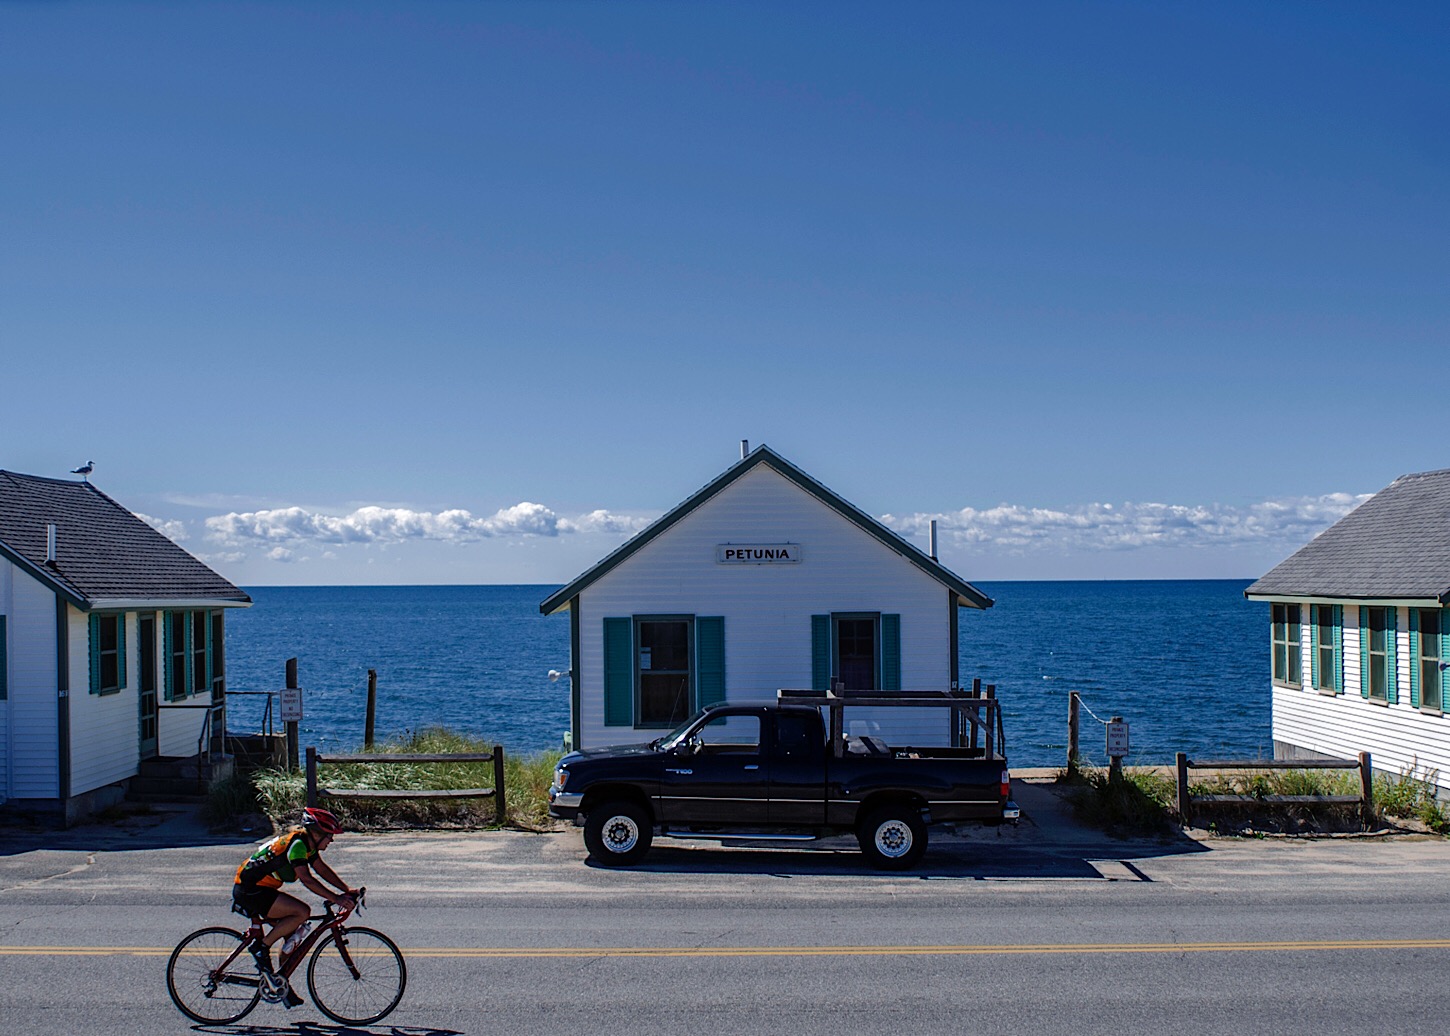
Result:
<point x="967" y="594"/>
<point x="105" y="555"/>
<point x="1395" y="545"/>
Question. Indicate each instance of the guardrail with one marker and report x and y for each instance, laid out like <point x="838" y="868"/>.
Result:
<point x="314" y="793"/>
<point x="1365" y="798"/>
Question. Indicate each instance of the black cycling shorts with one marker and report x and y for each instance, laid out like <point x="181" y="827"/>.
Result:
<point x="254" y="900"/>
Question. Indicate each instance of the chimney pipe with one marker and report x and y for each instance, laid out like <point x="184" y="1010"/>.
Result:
<point x="931" y="540"/>
<point x="744" y="448"/>
<point x="50" y="545"/>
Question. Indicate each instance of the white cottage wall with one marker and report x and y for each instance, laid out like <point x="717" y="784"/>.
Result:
<point x="104" y="728"/>
<point x="767" y="608"/>
<point x="5" y="607"/>
<point x="1398" y="737"/>
<point x="34" y="758"/>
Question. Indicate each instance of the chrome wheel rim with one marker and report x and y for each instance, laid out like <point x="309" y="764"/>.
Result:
<point x="621" y="834"/>
<point x="893" y="839"/>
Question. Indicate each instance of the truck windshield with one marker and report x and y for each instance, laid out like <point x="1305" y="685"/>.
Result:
<point x="670" y="740"/>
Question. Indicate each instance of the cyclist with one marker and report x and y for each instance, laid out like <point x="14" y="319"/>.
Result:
<point x="293" y="856"/>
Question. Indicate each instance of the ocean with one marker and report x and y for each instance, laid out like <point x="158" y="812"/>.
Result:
<point x="1185" y="662"/>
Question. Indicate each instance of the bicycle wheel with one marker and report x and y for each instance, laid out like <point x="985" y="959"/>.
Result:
<point x="359" y="979"/>
<point x="203" y="985"/>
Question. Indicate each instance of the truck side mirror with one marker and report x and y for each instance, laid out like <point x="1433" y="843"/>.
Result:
<point x="689" y="746"/>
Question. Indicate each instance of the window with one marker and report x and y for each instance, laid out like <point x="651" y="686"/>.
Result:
<point x="1326" y="630"/>
<point x="1377" y="654"/>
<point x="178" y="672"/>
<point x="107" y="653"/>
<point x="201" y="675"/>
<point x="1432" y="677"/>
<point x="730" y="735"/>
<point x="1288" y="662"/>
<point x="860" y="650"/>
<point x="4" y="666"/>
<point x="664" y="672"/>
<point x="146" y="676"/>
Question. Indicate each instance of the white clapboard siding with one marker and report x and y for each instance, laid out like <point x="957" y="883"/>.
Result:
<point x="104" y="728"/>
<point x="1398" y="737"/>
<point x="5" y="608"/>
<point x="34" y="759"/>
<point x="767" y="608"/>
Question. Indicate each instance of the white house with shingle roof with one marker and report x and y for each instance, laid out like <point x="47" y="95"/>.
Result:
<point x="1360" y="633"/>
<point x="111" y="646"/>
<point x="761" y="580"/>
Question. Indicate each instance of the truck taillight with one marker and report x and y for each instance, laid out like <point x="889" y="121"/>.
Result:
<point x="1006" y="784"/>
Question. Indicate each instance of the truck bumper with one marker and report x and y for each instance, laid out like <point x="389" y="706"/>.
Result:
<point x="1011" y="811"/>
<point x="564" y="805"/>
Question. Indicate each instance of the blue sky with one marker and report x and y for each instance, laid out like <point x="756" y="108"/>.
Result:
<point x="381" y="293"/>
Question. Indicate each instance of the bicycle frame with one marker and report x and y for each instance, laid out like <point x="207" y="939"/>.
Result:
<point x="287" y="963"/>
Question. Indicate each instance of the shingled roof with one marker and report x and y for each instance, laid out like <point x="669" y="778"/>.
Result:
<point x="1395" y="545"/>
<point x="105" y="555"/>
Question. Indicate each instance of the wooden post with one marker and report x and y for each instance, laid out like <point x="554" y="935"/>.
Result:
<point x="372" y="709"/>
<point x="1115" y="762"/>
<point x="976" y="713"/>
<point x="500" y="799"/>
<point x="311" y="775"/>
<point x="1073" y="730"/>
<point x="1366" y="788"/>
<point x="1185" y="803"/>
<point x="991" y="746"/>
<point x="291" y="724"/>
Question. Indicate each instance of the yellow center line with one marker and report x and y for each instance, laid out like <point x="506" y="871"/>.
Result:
<point x="1280" y="946"/>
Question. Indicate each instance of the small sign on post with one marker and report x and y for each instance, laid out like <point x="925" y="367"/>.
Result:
<point x="290" y="704"/>
<point x="1118" y="738"/>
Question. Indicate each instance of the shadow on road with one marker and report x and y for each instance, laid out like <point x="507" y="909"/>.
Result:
<point x="317" y="1029"/>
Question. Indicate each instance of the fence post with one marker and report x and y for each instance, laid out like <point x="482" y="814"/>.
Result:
<point x="500" y="799"/>
<point x="1185" y="802"/>
<point x="976" y="693"/>
<point x="1366" y="788"/>
<point x="312" y="775"/>
<point x="1072" y="732"/>
<point x="372" y="709"/>
<point x="291" y="724"/>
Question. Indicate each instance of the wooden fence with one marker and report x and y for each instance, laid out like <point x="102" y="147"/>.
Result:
<point x="314" y="793"/>
<point x="1365" y="799"/>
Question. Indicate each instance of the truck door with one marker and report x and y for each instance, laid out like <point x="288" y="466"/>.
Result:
<point x="798" y="768"/>
<point x="724" y="781"/>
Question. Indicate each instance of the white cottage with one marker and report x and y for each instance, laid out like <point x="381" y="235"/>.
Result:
<point x="763" y="579"/>
<point x="111" y="647"/>
<point x="1360" y="633"/>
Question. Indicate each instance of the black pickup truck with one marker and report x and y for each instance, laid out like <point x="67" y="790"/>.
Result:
<point x="786" y="771"/>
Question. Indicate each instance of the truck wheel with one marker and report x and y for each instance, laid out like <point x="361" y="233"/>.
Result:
<point x="892" y="837"/>
<point x="617" y="834"/>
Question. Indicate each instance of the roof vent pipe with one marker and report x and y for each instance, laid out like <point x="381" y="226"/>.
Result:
<point x="744" y="448"/>
<point x="50" y="544"/>
<point x="931" y="540"/>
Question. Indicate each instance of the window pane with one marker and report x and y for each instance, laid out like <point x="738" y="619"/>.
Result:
<point x="664" y="699"/>
<point x="664" y="645"/>
<point x="739" y="733"/>
<point x="856" y="653"/>
<point x="1281" y="662"/>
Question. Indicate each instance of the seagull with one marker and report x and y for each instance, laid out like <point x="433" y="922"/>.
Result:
<point x="84" y="470"/>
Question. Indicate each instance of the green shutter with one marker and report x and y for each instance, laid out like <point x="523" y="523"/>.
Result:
<point x="4" y="666"/>
<point x="1314" y="646"/>
<point x="891" y="652"/>
<point x="619" y="672"/>
<point x="166" y="649"/>
<point x="94" y="640"/>
<point x="121" y="651"/>
<point x="1414" y="658"/>
<point x="1364" y="651"/>
<point x="821" y="652"/>
<point x="1392" y="674"/>
<point x="710" y="659"/>
<point x="1337" y="617"/>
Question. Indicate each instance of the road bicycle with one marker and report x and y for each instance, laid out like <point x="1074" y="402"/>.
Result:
<point x="356" y="975"/>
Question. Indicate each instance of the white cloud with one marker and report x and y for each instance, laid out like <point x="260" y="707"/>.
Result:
<point x="171" y="528"/>
<point x="1101" y="527"/>
<point x="386" y="525"/>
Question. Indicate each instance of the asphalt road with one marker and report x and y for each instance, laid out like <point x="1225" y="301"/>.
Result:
<point x="511" y="932"/>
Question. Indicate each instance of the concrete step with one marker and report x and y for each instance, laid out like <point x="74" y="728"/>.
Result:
<point x="165" y="789"/>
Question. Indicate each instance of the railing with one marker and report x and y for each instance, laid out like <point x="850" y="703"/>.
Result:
<point x="967" y="713"/>
<point x="1365" y="798"/>
<point x="206" y="740"/>
<point x="266" y="725"/>
<point x="314" y="793"/>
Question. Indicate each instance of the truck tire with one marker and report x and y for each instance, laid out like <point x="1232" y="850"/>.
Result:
<point x="892" y="837"/>
<point x="617" y="833"/>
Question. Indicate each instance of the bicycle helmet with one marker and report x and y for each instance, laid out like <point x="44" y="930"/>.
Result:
<point x="321" y="820"/>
